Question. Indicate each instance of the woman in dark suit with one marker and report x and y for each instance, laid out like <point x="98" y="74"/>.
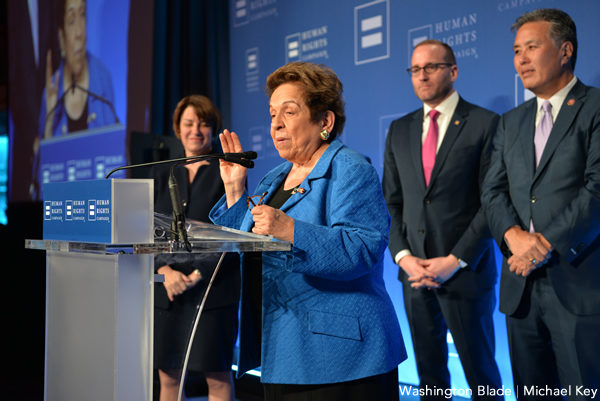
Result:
<point x="327" y="329"/>
<point x="195" y="121"/>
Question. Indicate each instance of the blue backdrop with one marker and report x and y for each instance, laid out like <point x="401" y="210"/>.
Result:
<point x="368" y="44"/>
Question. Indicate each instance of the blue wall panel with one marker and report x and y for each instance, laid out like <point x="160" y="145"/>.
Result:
<point x="368" y="44"/>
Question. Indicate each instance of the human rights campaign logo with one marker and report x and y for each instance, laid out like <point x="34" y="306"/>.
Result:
<point x="371" y="32"/>
<point x="416" y="36"/>
<point x="307" y="45"/>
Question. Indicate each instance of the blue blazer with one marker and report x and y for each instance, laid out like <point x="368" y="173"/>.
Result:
<point x="561" y="196"/>
<point x="326" y="314"/>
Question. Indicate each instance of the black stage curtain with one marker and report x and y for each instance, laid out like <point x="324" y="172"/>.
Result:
<point x="191" y="56"/>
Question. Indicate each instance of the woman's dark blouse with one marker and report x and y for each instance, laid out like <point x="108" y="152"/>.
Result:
<point x="198" y="199"/>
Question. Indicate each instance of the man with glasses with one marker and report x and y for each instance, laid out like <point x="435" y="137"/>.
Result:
<point x="435" y="160"/>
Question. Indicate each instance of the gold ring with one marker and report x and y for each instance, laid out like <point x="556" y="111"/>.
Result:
<point x="197" y="272"/>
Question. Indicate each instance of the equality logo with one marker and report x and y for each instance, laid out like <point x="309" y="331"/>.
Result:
<point x="47" y="210"/>
<point x="371" y="32"/>
<point x="100" y="167"/>
<point x="240" y="12"/>
<point x="68" y="210"/>
<point x="92" y="210"/>
<point x="247" y="11"/>
<point x="252" y="70"/>
<point x="416" y="36"/>
<point x="293" y="50"/>
<point x="71" y="171"/>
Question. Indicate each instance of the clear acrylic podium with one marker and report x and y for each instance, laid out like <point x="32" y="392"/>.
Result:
<point x="100" y="304"/>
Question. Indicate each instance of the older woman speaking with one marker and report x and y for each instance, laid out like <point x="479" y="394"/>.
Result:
<point x="327" y="329"/>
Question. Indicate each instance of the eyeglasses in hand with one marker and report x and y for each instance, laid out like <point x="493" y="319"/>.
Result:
<point x="261" y="200"/>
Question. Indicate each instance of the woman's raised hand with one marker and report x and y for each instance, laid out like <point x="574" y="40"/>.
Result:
<point x="232" y="174"/>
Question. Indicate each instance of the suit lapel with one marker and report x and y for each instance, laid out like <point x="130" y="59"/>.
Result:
<point x="568" y="111"/>
<point x="416" y="145"/>
<point x="274" y="180"/>
<point x="457" y="121"/>
<point x="297" y="196"/>
<point x="318" y="172"/>
<point x="527" y="120"/>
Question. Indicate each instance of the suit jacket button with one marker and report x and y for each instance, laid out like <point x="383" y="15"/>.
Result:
<point x="421" y="231"/>
<point x="533" y="199"/>
<point x="427" y="201"/>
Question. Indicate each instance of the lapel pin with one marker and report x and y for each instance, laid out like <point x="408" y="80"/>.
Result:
<point x="456" y="122"/>
<point x="571" y="102"/>
<point x="298" y="190"/>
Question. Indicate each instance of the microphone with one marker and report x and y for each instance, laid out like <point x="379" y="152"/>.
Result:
<point x="96" y="96"/>
<point x="59" y="101"/>
<point x="233" y="158"/>
<point x="74" y="85"/>
<point x="250" y="154"/>
<point x="230" y="157"/>
<point x="178" y="231"/>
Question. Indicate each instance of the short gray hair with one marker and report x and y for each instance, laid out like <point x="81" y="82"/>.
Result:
<point x="562" y="28"/>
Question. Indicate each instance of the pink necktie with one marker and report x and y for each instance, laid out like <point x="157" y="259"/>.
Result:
<point x="430" y="145"/>
<point x="542" y="132"/>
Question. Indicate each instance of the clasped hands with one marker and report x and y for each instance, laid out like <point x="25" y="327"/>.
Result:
<point x="429" y="273"/>
<point x="529" y="250"/>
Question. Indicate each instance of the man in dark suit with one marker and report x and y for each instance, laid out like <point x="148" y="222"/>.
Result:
<point x="435" y="160"/>
<point x="542" y="199"/>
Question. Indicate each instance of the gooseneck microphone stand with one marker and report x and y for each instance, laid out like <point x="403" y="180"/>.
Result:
<point x="178" y="230"/>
